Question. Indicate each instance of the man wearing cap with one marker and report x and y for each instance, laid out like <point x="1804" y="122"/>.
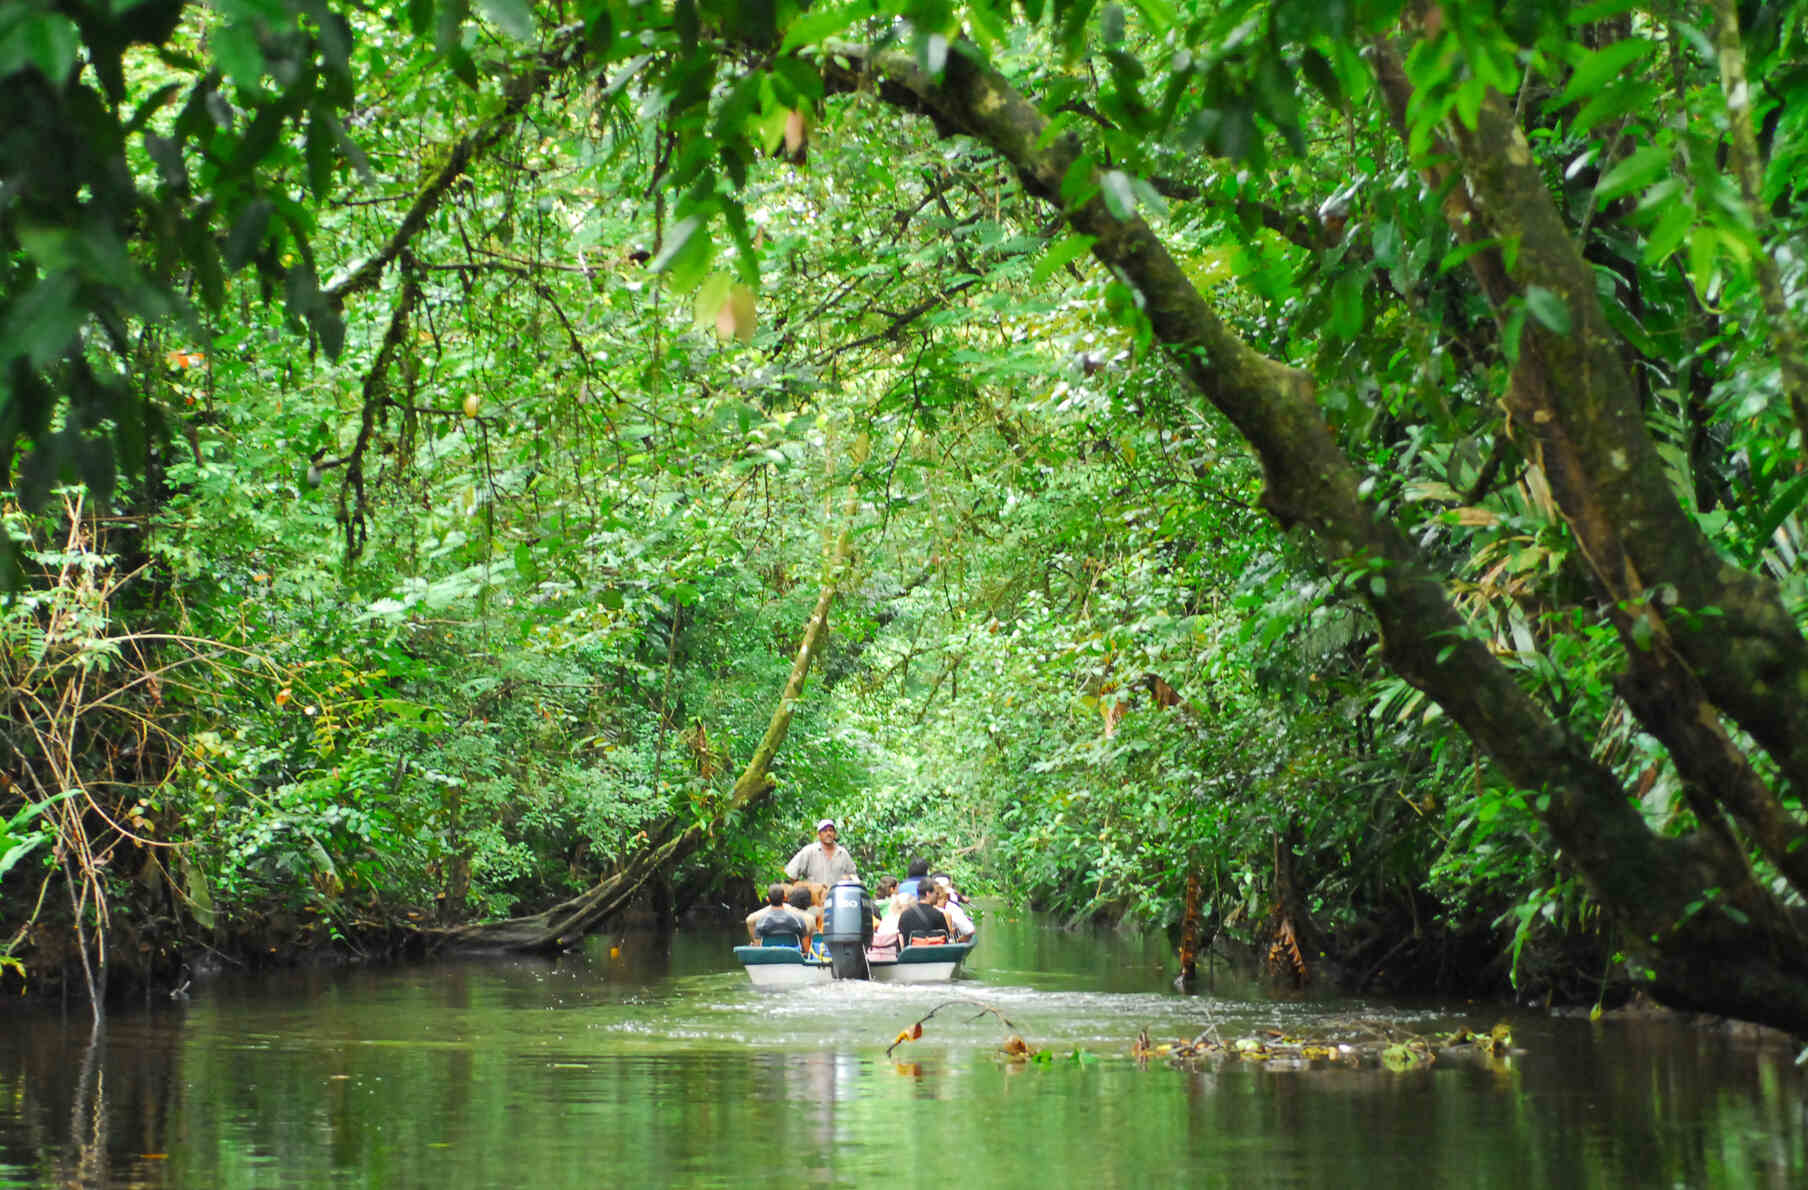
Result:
<point x="822" y="862"/>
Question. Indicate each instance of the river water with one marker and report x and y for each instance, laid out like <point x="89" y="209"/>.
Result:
<point x="649" y="1061"/>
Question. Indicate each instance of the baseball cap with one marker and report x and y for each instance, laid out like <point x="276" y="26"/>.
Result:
<point x="824" y="824"/>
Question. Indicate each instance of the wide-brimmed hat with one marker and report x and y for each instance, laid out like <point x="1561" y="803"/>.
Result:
<point x="826" y="824"/>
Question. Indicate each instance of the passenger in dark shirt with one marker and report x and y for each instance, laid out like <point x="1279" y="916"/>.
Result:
<point x="780" y="923"/>
<point x="923" y="917"/>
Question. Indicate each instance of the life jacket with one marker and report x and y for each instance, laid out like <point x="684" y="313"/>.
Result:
<point x="778" y="922"/>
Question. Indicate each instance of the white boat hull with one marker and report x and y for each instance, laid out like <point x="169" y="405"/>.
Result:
<point x="781" y="967"/>
<point x="802" y="975"/>
<point x="914" y="972"/>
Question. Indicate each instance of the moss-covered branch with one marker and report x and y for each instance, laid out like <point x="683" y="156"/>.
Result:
<point x="1651" y="884"/>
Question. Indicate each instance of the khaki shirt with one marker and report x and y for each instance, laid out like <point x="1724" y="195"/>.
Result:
<point x="817" y="866"/>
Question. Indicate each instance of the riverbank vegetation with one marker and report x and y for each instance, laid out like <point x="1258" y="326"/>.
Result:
<point x="1325" y="483"/>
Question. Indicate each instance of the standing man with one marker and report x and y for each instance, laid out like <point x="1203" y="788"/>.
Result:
<point x="822" y="862"/>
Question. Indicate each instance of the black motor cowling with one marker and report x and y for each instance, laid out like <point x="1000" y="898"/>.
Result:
<point x="847" y="928"/>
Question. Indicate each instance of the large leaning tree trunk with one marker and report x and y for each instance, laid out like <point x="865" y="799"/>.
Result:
<point x="566" y="923"/>
<point x="1744" y="953"/>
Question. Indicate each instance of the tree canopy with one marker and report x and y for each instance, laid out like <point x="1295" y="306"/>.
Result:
<point x="1344" y="457"/>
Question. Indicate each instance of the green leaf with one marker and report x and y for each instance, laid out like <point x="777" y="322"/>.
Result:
<point x="803" y="77"/>
<point x="513" y="17"/>
<point x="1669" y="233"/>
<point x="822" y="22"/>
<point x="686" y="255"/>
<point x="1347" y="311"/>
<point x="1159" y="15"/>
<point x="1469" y="95"/>
<point x="320" y="155"/>
<point x="1078" y="185"/>
<point x="200" y="900"/>
<point x="1704" y="247"/>
<point x="204" y="258"/>
<point x="1510" y="335"/>
<point x="736" y="106"/>
<point x="987" y="26"/>
<point x="234" y="47"/>
<point x="47" y="40"/>
<point x="1462" y="252"/>
<point x="1111" y="24"/>
<point x="43" y="321"/>
<point x="1603" y="66"/>
<point x="710" y="296"/>
<point x="1549" y="308"/>
<point x="1148" y="197"/>
<point x="1319" y="72"/>
<point x="1623" y="97"/>
<point x="1059" y="255"/>
<point x="247" y="233"/>
<point x="1632" y="173"/>
<point x="526" y="565"/>
<point x="21" y="849"/>
<point x="747" y="259"/>
<point x="329" y="328"/>
<point x="1621" y="320"/>
<point x="1780" y="508"/>
<point x="1070" y="36"/>
<point x="1120" y="197"/>
<point x="675" y="242"/>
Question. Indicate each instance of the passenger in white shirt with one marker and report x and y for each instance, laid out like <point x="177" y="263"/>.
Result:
<point x="959" y="924"/>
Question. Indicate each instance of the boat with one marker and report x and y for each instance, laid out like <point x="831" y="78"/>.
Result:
<point x="783" y="966"/>
<point x="921" y="964"/>
<point x="847" y="937"/>
<point x="789" y="967"/>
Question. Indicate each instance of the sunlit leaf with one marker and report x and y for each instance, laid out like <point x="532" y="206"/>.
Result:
<point x="1549" y="308"/>
<point x="1059" y="255"/>
<point x="1120" y="197"/>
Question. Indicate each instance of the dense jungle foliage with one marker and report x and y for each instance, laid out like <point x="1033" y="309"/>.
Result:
<point x="1324" y="479"/>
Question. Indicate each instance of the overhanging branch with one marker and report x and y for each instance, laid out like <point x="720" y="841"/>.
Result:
<point x="518" y="92"/>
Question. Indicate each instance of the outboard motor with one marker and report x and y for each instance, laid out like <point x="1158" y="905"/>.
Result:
<point x="847" y="928"/>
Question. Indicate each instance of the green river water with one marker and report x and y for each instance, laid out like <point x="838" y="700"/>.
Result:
<point x="660" y="1066"/>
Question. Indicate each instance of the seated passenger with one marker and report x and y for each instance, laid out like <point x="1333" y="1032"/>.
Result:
<point x="778" y="924"/>
<point x="923" y="919"/>
<point x="807" y="900"/>
<point x="882" y="895"/>
<point x="885" y="919"/>
<point x="907" y="887"/>
<point x="960" y="926"/>
<point x="888" y="921"/>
